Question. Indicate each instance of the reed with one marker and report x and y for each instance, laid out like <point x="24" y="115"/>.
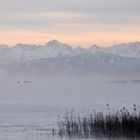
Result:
<point x="116" y="124"/>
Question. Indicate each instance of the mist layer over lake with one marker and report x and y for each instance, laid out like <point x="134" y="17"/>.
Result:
<point x="70" y="90"/>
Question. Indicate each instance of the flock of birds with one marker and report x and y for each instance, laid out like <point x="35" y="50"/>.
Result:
<point x="24" y="82"/>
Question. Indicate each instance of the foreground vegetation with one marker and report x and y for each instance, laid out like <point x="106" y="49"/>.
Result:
<point x="111" y="124"/>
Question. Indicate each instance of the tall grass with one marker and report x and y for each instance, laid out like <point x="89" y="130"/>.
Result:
<point x="113" y="124"/>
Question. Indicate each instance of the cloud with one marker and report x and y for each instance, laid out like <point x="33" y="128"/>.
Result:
<point x="48" y="12"/>
<point x="50" y="20"/>
<point x="67" y="17"/>
<point x="85" y="6"/>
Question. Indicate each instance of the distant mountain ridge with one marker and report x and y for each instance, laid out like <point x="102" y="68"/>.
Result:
<point x="60" y="57"/>
<point x="25" y="52"/>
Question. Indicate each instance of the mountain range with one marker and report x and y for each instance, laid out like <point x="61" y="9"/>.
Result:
<point x="57" y="57"/>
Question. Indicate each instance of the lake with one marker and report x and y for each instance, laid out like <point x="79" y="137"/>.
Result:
<point x="29" y="110"/>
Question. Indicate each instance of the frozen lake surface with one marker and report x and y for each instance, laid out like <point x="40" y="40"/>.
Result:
<point x="29" y="110"/>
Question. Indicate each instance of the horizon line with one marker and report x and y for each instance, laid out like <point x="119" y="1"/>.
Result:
<point x="62" y="42"/>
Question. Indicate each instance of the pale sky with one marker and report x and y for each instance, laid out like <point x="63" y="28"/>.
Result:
<point x="76" y="22"/>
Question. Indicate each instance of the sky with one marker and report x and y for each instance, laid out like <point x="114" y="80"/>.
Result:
<point x="76" y="22"/>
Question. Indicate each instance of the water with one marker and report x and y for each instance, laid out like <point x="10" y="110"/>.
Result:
<point x="29" y="110"/>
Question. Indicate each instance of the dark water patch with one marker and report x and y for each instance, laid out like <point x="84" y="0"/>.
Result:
<point x="127" y="81"/>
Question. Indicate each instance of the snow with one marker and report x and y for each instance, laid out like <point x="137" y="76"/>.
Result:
<point x="94" y="48"/>
<point x="61" y="57"/>
<point x="79" y="50"/>
<point x="127" y="49"/>
<point x="25" y="52"/>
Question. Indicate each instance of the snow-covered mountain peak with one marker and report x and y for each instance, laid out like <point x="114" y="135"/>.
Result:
<point x="26" y="47"/>
<point x="56" y="44"/>
<point x="126" y="49"/>
<point x="128" y="45"/>
<point x="3" y="46"/>
<point x="79" y="50"/>
<point x="94" y="46"/>
<point x="53" y="43"/>
<point x="61" y="48"/>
